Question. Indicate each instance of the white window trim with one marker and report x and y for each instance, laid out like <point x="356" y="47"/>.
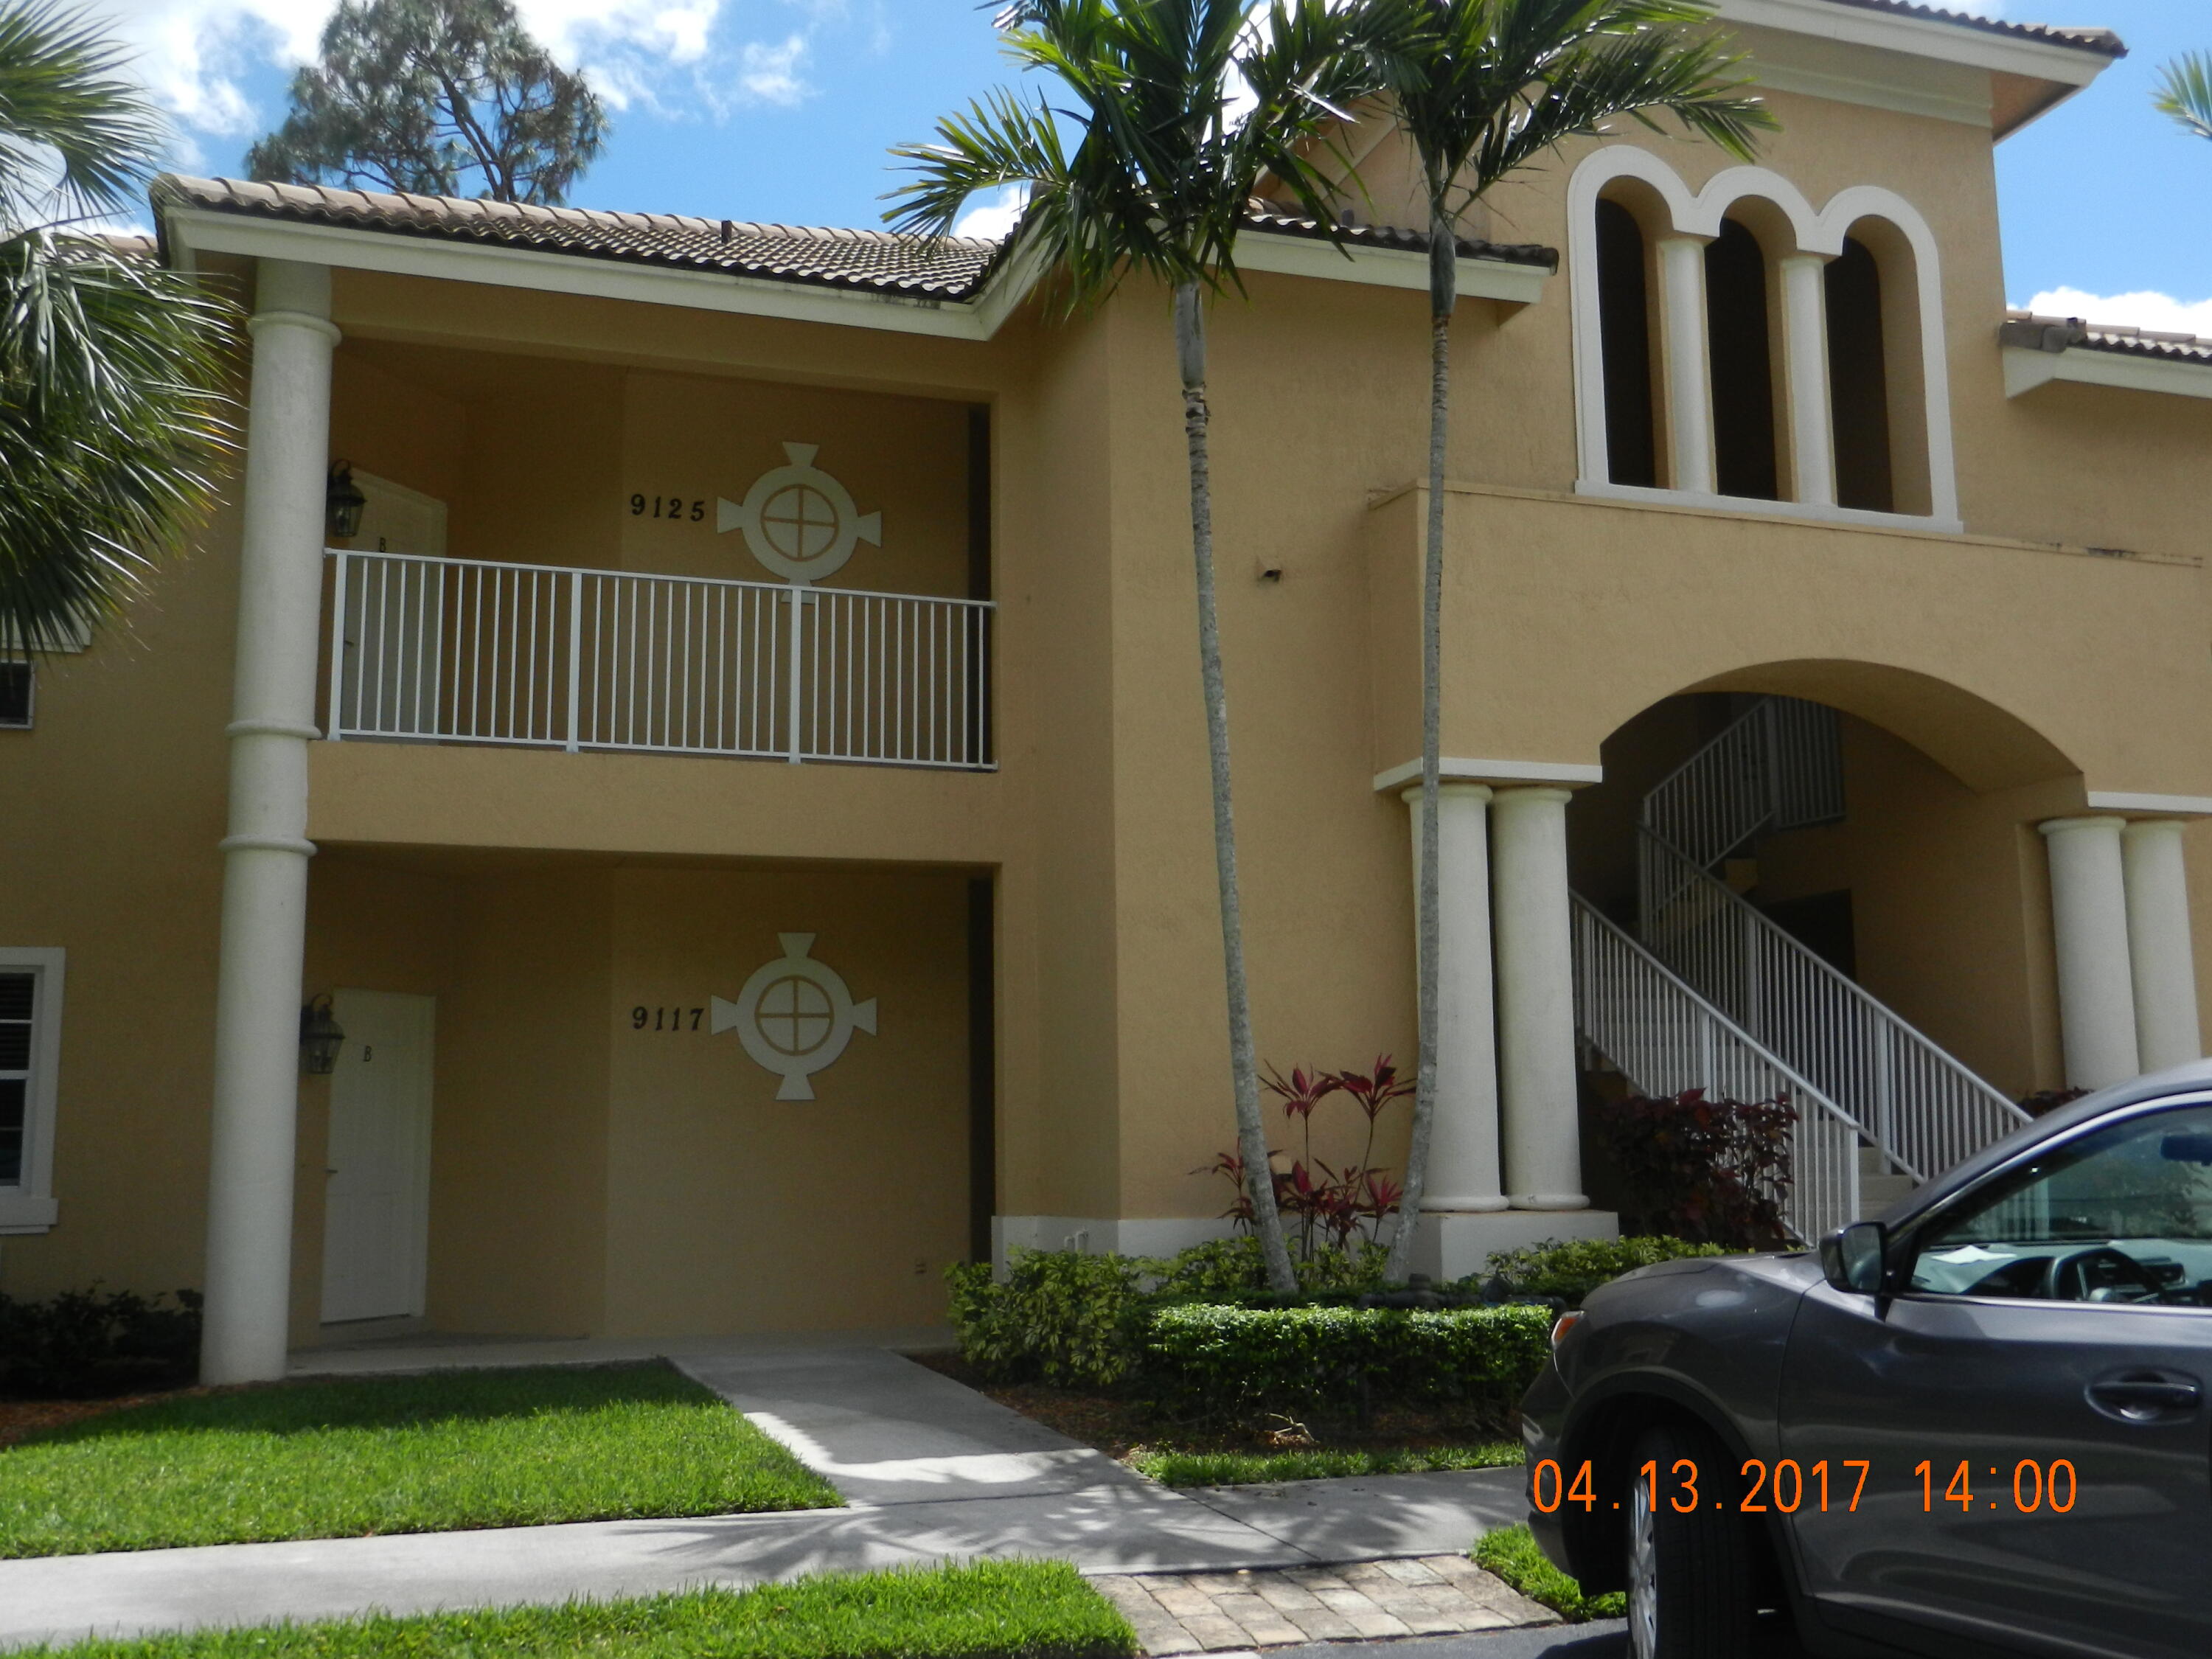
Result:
<point x="1821" y="233"/>
<point x="29" y="1206"/>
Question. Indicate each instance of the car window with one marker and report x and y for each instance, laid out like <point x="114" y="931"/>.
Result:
<point x="2121" y="1214"/>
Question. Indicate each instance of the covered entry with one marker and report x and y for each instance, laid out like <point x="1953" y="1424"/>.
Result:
<point x="695" y="1097"/>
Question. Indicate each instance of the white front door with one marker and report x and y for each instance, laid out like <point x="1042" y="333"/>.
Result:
<point x="376" y="1223"/>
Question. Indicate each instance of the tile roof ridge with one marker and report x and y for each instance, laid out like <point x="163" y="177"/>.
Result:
<point x="2050" y="333"/>
<point x="462" y="209"/>
<point x="2103" y="41"/>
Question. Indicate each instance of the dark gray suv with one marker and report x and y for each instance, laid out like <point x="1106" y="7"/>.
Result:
<point x="1977" y="1426"/>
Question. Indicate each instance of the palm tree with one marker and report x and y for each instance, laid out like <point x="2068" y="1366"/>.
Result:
<point x="2185" y="91"/>
<point x="1180" y="109"/>
<point x="1489" y="89"/>
<point x="112" y="423"/>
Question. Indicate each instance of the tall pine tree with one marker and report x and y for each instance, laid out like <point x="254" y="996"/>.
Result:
<point x="436" y="98"/>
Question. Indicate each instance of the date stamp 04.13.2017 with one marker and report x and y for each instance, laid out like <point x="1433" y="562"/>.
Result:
<point x="1785" y="1487"/>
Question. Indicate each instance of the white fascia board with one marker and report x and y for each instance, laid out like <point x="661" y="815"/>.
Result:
<point x="2179" y="806"/>
<point x="1924" y="37"/>
<point x="1386" y="267"/>
<point x="1452" y="769"/>
<point x="397" y="254"/>
<point x="2025" y="368"/>
<point x="1870" y="94"/>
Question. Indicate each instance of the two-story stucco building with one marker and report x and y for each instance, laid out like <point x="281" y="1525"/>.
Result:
<point x="741" y="785"/>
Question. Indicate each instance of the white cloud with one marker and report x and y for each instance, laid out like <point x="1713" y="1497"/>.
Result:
<point x="769" y="73"/>
<point x="992" y="217"/>
<point x="192" y="53"/>
<point x="196" y="56"/>
<point x="676" y="30"/>
<point x="2159" y="313"/>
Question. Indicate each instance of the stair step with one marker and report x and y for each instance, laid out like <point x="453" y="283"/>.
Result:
<point x="1877" y="1193"/>
<point x="1871" y="1162"/>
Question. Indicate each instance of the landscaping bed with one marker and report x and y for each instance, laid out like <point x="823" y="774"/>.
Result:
<point x="990" y="1610"/>
<point x="1399" y="1440"/>
<point x="1188" y="1369"/>
<point x="445" y="1451"/>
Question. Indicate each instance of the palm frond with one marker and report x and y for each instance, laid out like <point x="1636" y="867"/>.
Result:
<point x="1164" y="117"/>
<point x="115" y="426"/>
<point x="65" y="103"/>
<point x="2185" y="92"/>
<point x="1494" y="84"/>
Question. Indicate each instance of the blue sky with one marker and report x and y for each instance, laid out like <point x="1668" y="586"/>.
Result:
<point x="781" y="110"/>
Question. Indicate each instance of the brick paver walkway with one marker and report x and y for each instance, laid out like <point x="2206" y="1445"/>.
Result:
<point x="1218" y="1611"/>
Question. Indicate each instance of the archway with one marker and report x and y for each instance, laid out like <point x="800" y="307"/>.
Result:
<point x="1913" y="870"/>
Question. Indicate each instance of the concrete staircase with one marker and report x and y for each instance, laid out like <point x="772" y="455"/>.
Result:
<point x="1880" y="1186"/>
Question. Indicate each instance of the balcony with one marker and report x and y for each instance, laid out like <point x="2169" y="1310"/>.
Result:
<point x="463" y="651"/>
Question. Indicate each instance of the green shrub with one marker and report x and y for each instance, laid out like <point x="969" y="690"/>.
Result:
<point x="1571" y="1271"/>
<point x="89" y="1344"/>
<point x="1202" y="1360"/>
<point x="1218" y="1271"/>
<point x="1514" y="1555"/>
<point x="1071" y="1319"/>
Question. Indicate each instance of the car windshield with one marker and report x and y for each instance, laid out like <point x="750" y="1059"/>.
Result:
<point x="2122" y="1213"/>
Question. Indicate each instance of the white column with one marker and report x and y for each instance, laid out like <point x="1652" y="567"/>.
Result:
<point x="1536" y="1000"/>
<point x="1463" y="1171"/>
<point x="2089" y="928"/>
<point x="264" y="893"/>
<point x="1689" y="363"/>
<point x="2160" y="948"/>
<point x="1805" y="349"/>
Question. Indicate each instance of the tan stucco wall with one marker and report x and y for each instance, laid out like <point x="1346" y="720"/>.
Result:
<point x="1978" y="651"/>
<point x="114" y="805"/>
<point x="728" y="1209"/>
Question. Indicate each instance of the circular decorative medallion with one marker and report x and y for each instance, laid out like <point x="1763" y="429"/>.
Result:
<point x="794" y="1016"/>
<point x="798" y="522"/>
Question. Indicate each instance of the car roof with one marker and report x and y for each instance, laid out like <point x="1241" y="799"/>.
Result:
<point x="2195" y="1077"/>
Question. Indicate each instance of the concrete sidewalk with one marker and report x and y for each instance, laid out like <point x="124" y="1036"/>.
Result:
<point x="932" y="1471"/>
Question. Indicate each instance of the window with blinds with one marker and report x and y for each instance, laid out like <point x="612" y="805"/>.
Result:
<point x="18" y="1015"/>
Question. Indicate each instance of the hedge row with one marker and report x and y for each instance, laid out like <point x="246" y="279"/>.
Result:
<point x="1200" y="1335"/>
<point x="1201" y="1359"/>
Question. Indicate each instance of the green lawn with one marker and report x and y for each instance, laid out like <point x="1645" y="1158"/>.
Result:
<point x="1514" y="1555"/>
<point x="344" y="1459"/>
<point x="1187" y="1469"/>
<point x="1019" y="1609"/>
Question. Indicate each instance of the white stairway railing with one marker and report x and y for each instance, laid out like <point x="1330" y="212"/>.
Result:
<point x="463" y="651"/>
<point x="1777" y="766"/>
<point x="1666" y="1038"/>
<point x="1921" y="1107"/>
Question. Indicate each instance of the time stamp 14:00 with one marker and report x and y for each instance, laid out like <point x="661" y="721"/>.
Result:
<point x="1786" y="1486"/>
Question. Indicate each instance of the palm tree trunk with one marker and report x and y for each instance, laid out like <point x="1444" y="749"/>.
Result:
<point x="1244" y="1066"/>
<point x="1443" y="296"/>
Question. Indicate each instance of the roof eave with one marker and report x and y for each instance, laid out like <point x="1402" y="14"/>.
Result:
<point x="187" y="229"/>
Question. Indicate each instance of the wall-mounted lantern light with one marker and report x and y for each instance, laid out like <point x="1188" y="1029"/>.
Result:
<point x="342" y="503"/>
<point x="320" y="1038"/>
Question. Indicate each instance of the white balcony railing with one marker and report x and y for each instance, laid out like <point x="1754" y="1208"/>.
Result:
<point x="544" y="656"/>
